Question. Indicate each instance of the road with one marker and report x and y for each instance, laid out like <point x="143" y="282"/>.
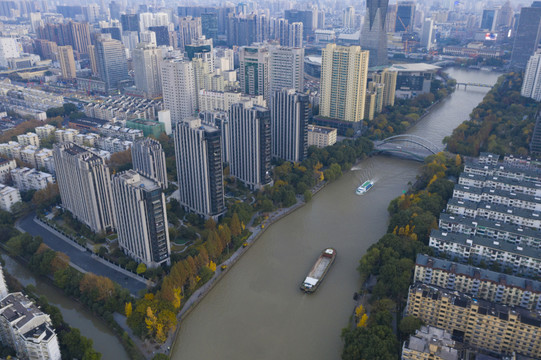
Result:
<point x="82" y="259"/>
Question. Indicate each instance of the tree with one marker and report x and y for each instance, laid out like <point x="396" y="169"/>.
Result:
<point x="409" y="324"/>
<point x="128" y="309"/>
<point x="235" y="225"/>
<point x="97" y="287"/>
<point x="307" y="196"/>
<point x="141" y="269"/>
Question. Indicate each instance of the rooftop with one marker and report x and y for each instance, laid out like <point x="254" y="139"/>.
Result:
<point x="414" y="67"/>
<point x="484" y="307"/>
<point x="485" y="223"/>
<point x="469" y="241"/>
<point x="510" y="211"/>
<point x="475" y="272"/>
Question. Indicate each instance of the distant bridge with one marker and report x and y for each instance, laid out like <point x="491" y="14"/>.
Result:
<point x="408" y="146"/>
<point x="466" y="84"/>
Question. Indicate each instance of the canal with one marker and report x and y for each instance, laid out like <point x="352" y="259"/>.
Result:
<point x="73" y="312"/>
<point x="258" y="312"/>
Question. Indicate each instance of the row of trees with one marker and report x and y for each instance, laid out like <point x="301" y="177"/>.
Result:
<point x="392" y="259"/>
<point x="502" y="123"/>
<point x="44" y="261"/>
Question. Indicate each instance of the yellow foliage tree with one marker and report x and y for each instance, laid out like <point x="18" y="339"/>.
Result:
<point x="362" y="321"/>
<point x="359" y="311"/>
<point x="212" y="266"/>
<point x="128" y="309"/>
<point x="458" y="160"/>
<point x="151" y="320"/>
<point x="177" y="297"/>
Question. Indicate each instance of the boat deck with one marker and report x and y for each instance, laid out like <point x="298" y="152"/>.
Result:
<point x="319" y="267"/>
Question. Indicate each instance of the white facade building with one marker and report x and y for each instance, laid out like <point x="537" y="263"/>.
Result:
<point x="28" y="330"/>
<point x="531" y="85"/>
<point x="148" y="159"/>
<point x="26" y="179"/>
<point x="8" y="197"/>
<point x="147" y="61"/>
<point x="286" y="68"/>
<point x="85" y="185"/>
<point x="179" y="91"/>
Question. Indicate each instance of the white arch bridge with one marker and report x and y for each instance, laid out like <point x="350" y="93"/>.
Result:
<point x="407" y="146"/>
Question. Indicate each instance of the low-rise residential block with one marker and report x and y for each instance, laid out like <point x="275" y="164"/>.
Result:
<point x="477" y="323"/>
<point x="26" y="179"/>
<point x="520" y="259"/>
<point x="482" y="284"/>
<point x="8" y="197"/>
<point x="321" y="136"/>
<point x="432" y="343"/>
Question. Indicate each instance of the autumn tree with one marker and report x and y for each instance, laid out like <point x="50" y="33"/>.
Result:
<point x="235" y="225"/>
<point x="97" y="287"/>
<point x="128" y="309"/>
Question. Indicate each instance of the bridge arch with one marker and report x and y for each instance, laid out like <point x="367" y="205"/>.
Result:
<point x="414" y="139"/>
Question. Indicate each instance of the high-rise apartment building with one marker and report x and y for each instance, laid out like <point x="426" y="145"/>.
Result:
<point x="290" y="112"/>
<point x="85" y="185"/>
<point x="198" y="152"/>
<point x="286" y="69"/>
<point x="250" y="149"/>
<point x="254" y="70"/>
<point x="189" y="29"/>
<point x="344" y="74"/>
<point x="531" y="85"/>
<point x="67" y="62"/>
<point x="93" y="60"/>
<point x="79" y="36"/>
<point x="348" y="17"/>
<point x="111" y="62"/>
<point x="178" y="88"/>
<point x="9" y="48"/>
<point x="374" y="32"/>
<point x="527" y="36"/>
<point x="295" y="35"/>
<point x="427" y="37"/>
<point x="147" y="60"/>
<point x="309" y="18"/>
<point x="130" y="22"/>
<point x="405" y="16"/>
<point x="148" y="159"/>
<point x="388" y="79"/>
<point x="141" y="218"/>
<point x="488" y="19"/>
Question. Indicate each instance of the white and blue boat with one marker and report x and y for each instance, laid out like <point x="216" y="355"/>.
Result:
<point x="367" y="185"/>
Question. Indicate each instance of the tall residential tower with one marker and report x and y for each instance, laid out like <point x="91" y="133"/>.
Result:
<point x="85" y="185"/>
<point x="141" y="218"/>
<point x="198" y="151"/>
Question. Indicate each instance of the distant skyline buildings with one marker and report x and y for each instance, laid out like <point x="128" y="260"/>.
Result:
<point x="373" y="33"/>
<point x="527" y="36"/>
<point x="178" y="88"/>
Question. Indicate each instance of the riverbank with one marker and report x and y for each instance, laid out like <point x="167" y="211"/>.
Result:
<point x="221" y="270"/>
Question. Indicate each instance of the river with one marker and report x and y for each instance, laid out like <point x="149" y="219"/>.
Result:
<point x="73" y="312"/>
<point x="258" y="312"/>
